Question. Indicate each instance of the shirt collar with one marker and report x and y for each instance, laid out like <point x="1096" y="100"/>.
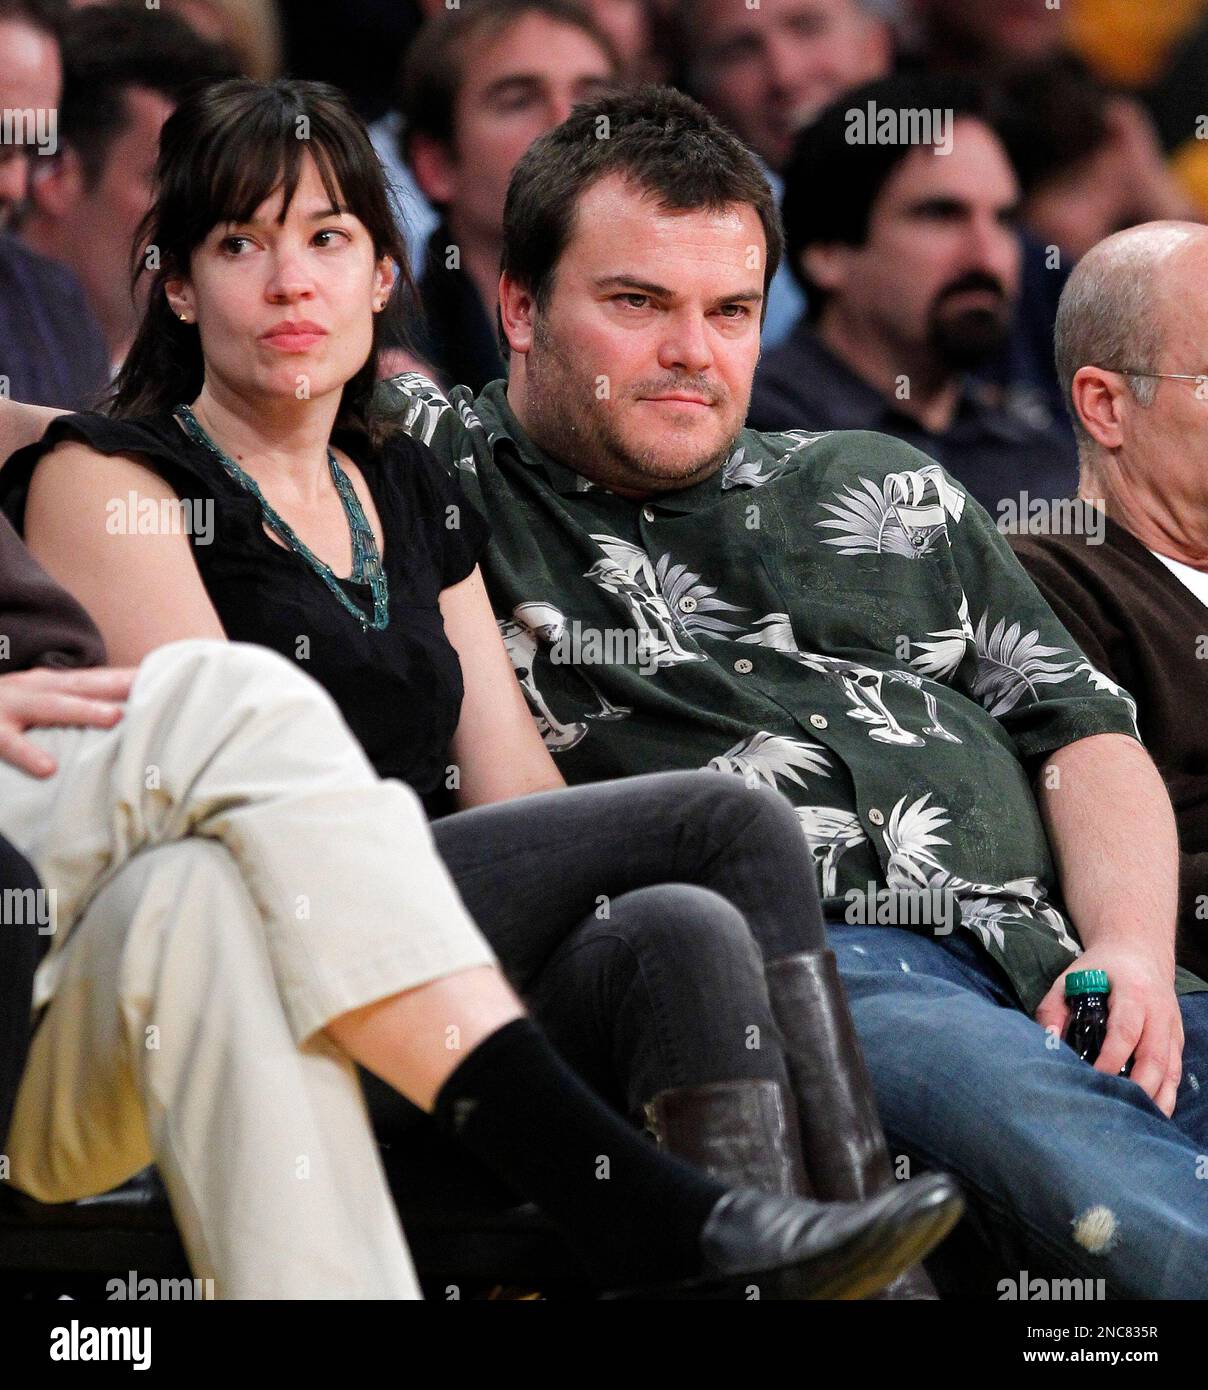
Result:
<point x="853" y="404"/>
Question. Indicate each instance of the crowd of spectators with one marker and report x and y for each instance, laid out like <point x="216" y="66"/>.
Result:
<point x="1089" y="107"/>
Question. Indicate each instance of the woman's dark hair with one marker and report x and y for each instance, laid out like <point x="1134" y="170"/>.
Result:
<point x="225" y="149"/>
<point x="657" y="138"/>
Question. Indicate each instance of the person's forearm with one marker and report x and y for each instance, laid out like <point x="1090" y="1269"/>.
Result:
<point x="483" y="786"/>
<point x="1112" y="831"/>
<point x="1191" y="942"/>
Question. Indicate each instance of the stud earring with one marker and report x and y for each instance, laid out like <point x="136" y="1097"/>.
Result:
<point x="184" y="318"/>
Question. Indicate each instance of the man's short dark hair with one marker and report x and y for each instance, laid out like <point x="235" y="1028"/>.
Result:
<point x="832" y="184"/>
<point x="434" y="68"/>
<point x="107" y="49"/>
<point x="660" y="140"/>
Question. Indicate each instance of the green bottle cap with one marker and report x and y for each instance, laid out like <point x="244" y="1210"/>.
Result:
<point x="1087" y="982"/>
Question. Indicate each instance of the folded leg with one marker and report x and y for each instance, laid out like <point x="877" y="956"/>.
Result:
<point x="167" y="1041"/>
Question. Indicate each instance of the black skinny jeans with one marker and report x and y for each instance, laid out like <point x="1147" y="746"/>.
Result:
<point x="634" y="917"/>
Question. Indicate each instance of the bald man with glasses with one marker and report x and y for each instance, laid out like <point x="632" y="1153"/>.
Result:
<point x="1132" y="353"/>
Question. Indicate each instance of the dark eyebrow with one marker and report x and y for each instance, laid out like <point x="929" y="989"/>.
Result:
<point x="938" y="202"/>
<point x="616" y="282"/>
<point x="742" y="297"/>
<point x="629" y="282"/>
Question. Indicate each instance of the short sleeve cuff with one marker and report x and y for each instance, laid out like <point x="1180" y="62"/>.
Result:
<point x="1043" y="728"/>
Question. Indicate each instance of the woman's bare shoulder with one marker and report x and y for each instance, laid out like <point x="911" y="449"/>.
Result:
<point x="22" y="424"/>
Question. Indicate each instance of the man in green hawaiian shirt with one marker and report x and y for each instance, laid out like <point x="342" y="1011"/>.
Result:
<point x="833" y="616"/>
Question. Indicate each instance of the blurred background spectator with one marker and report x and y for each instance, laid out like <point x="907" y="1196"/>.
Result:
<point x="911" y="268"/>
<point x="1089" y="162"/>
<point x="1146" y="64"/>
<point x="1129" y="43"/>
<point x="31" y="78"/>
<point x="250" y="30"/>
<point x="51" y="348"/>
<point x="124" y="68"/>
<point x="480" y="84"/>
<point x="357" y="46"/>
<point x="980" y="37"/>
<point x="1097" y="102"/>
<point x="767" y="70"/>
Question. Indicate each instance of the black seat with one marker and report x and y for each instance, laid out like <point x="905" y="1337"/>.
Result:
<point x="461" y="1247"/>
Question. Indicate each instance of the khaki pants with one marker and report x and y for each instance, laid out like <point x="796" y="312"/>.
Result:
<point x="228" y="875"/>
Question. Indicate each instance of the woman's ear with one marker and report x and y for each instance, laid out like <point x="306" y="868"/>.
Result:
<point x="179" y="294"/>
<point x="385" y="274"/>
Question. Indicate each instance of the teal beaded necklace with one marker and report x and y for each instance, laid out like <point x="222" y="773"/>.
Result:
<point x="366" y="562"/>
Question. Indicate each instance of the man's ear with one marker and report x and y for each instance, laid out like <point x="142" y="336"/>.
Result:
<point x="826" y="264"/>
<point x="57" y="184"/>
<point x="434" y="168"/>
<point x="1100" y="399"/>
<point x="517" y="311"/>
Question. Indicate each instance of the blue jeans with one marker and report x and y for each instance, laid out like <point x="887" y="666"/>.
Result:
<point x="1071" y="1173"/>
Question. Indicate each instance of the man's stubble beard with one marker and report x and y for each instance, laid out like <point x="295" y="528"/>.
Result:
<point x="568" y="421"/>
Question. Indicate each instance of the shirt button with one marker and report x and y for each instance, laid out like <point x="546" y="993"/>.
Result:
<point x="687" y="604"/>
<point x="877" y="817"/>
<point x="647" y="514"/>
<point x="818" y="721"/>
<point x="743" y="666"/>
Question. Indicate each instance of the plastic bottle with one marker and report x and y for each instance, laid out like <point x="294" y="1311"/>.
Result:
<point x="1086" y="993"/>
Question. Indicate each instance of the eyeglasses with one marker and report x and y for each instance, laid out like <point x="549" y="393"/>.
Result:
<point x="1159" y="376"/>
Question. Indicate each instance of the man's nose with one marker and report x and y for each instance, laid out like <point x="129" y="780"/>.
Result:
<point x="994" y="249"/>
<point x="685" y="346"/>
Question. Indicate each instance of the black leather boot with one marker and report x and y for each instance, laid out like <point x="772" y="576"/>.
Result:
<point x="754" y="1245"/>
<point x="843" y="1143"/>
<point x="744" y="1133"/>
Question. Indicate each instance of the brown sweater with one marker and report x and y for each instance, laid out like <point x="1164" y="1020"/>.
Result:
<point x="1145" y="629"/>
<point x="40" y="623"/>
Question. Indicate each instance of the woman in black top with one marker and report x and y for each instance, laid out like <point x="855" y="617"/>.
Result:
<point x="242" y="487"/>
